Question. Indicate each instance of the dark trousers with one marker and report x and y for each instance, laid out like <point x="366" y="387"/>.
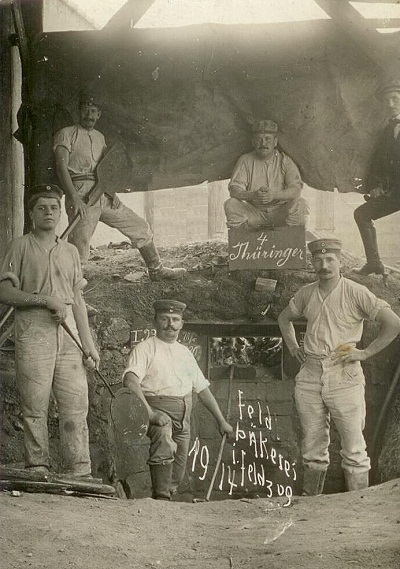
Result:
<point x="375" y="208"/>
<point x="170" y="443"/>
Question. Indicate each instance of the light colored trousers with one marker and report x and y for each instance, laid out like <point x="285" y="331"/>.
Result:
<point x="47" y="359"/>
<point x="323" y="391"/>
<point x="291" y="213"/>
<point x="122" y="218"/>
<point x="170" y="443"/>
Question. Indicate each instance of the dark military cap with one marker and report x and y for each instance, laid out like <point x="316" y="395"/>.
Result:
<point x="89" y="98"/>
<point x="265" y="126"/>
<point x="325" y="246"/>
<point x="45" y="191"/>
<point x="171" y="306"/>
<point x="388" y="87"/>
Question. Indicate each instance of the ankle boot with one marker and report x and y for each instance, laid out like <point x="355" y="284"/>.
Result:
<point x="313" y="482"/>
<point x="373" y="264"/>
<point x="161" y="475"/>
<point x="356" y="480"/>
<point x="157" y="272"/>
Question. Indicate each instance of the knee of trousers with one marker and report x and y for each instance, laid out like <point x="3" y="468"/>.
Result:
<point x="233" y="205"/>
<point x="299" y="205"/>
<point x="361" y="216"/>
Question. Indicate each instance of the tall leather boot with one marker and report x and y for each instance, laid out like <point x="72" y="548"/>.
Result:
<point x="313" y="482"/>
<point x="161" y="475"/>
<point x="374" y="263"/>
<point x="356" y="480"/>
<point x="157" y="272"/>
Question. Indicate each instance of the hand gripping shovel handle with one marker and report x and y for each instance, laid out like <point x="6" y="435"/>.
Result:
<point x="77" y="342"/>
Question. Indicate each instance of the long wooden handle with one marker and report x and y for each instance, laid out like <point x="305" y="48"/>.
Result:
<point x="217" y="465"/>
<point x="77" y="342"/>
<point x="224" y="437"/>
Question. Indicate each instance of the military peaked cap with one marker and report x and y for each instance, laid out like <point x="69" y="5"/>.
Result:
<point x="171" y="306"/>
<point x="89" y="98"/>
<point x="388" y="87"/>
<point x="45" y="191"/>
<point x="265" y="126"/>
<point x="325" y="246"/>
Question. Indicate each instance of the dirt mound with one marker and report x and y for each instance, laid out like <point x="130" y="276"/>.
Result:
<point x="357" y="529"/>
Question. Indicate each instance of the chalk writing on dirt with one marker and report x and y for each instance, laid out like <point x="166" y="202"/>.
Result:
<point x="141" y="334"/>
<point x="191" y="341"/>
<point x="252" y="456"/>
<point x="188" y="339"/>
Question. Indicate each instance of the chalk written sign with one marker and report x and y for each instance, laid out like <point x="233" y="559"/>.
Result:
<point x="280" y="248"/>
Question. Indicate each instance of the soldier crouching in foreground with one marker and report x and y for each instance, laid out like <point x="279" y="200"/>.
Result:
<point x="331" y="382"/>
<point x="163" y="373"/>
<point x="41" y="277"/>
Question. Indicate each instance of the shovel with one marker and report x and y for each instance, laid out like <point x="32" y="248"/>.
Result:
<point x="223" y="441"/>
<point x="129" y="421"/>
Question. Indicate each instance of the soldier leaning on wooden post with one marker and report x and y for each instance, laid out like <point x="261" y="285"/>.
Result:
<point x="330" y="383"/>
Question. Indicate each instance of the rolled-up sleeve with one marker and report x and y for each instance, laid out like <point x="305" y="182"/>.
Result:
<point x="63" y="138"/>
<point x="199" y="381"/>
<point x="139" y="360"/>
<point x="11" y="266"/>
<point x="240" y="175"/>
<point x="368" y="303"/>
<point x="292" y="174"/>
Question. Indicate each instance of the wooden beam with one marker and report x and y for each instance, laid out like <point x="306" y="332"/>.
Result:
<point x="383" y="22"/>
<point x="129" y="15"/>
<point x="358" y="28"/>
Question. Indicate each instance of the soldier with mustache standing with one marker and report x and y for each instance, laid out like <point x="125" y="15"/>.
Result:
<point x="78" y="149"/>
<point x="163" y="373"/>
<point x="330" y="382"/>
<point x="265" y="187"/>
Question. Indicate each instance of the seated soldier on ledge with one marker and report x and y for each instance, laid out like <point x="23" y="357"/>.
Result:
<point x="265" y="187"/>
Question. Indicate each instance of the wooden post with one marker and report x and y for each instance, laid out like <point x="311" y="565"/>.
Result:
<point x="11" y="167"/>
<point x="325" y="214"/>
<point x="217" y="194"/>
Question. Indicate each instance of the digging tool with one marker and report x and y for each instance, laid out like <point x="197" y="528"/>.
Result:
<point x="223" y="441"/>
<point x="129" y="420"/>
<point x="77" y="342"/>
<point x="108" y="180"/>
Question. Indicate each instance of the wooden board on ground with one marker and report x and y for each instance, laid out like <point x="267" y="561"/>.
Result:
<point x="265" y="249"/>
<point x="30" y="481"/>
<point x="129" y="425"/>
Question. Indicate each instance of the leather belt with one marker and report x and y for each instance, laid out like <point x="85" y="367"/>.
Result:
<point x="82" y="177"/>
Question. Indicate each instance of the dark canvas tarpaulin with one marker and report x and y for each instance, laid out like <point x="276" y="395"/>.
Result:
<point x="182" y="100"/>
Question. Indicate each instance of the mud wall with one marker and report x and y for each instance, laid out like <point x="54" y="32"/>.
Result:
<point x="212" y="295"/>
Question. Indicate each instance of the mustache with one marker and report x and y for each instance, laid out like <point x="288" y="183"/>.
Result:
<point x="323" y="272"/>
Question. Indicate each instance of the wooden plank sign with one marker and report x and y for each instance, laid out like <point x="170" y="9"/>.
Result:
<point x="279" y="248"/>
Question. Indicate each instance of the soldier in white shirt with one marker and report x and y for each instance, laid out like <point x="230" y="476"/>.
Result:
<point x="265" y="187"/>
<point x="164" y="373"/>
<point x="330" y="383"/>
<point x="78" y="150"/>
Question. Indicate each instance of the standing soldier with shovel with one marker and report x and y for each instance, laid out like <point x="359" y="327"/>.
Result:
<point x="78" y="150"/>
<point x="41" y="277"/>
<point x="163" y="373"/>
